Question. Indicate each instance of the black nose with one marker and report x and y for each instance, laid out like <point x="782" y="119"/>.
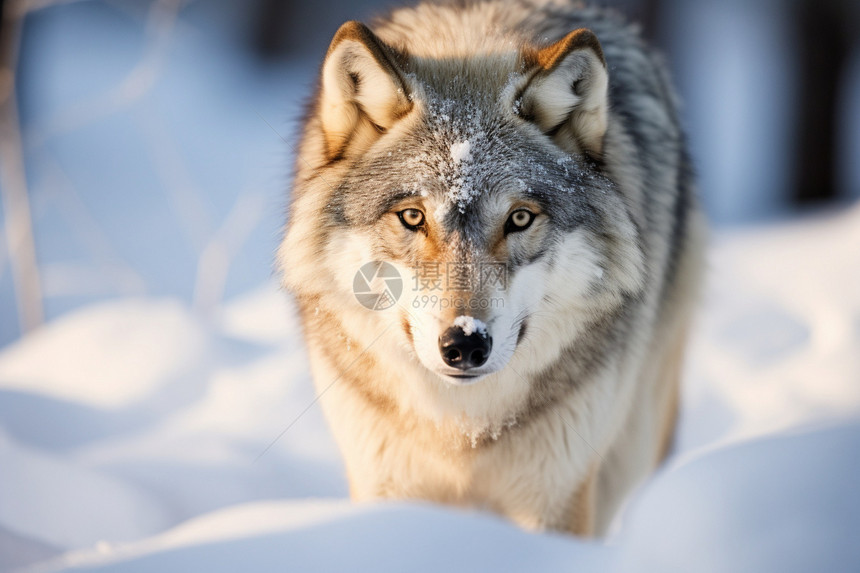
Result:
<point x="463" y="351"/>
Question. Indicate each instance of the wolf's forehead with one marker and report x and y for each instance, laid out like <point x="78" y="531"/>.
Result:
<point x="459" y="149"/>
<point x="464" y="149"/>
<point x="469" y="154"/>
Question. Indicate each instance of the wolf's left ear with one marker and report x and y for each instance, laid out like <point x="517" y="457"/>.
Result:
<point x="363" y="92"/>
<point x="567" y="96"/>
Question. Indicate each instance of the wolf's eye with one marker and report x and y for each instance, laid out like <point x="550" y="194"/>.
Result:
<point x="412" y="219"/>
<point x="520" y="220"/>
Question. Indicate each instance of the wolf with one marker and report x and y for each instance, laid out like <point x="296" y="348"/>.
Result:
<point x="539" y="140"/>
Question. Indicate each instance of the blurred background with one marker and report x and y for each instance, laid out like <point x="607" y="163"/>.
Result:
<point x="152" y="376"/>
<point x="145" y="144"/>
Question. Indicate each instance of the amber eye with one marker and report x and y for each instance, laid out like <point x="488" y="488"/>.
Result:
<point x="412" y="219"/>
<point x="519" y="220"/>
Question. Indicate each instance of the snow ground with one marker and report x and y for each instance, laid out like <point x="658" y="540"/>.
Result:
<point x="138" y="436"/>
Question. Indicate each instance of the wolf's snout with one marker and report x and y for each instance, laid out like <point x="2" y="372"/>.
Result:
<point x="464" y="351"/>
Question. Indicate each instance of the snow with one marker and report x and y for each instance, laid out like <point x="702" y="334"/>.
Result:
<point x="458" y="127"/>
<point x="162" y="327"/>
<point x="461" y="151"/>
<point x="470" y="324"/>
<point x="138" y="435"/>
<point x="462" y="154"/>
<point x="782" y="503"/>
<point x="778" y="344"/>
<point x="311" y="536"/>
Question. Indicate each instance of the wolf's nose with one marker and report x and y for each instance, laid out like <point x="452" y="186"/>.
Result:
<point x="463" y="351"/>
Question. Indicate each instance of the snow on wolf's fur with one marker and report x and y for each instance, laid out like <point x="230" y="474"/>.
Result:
<point x="461" y="143"/>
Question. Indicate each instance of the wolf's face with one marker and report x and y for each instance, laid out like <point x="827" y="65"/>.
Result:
<point x="481" y="182"/>
<point x="484" y="218"/>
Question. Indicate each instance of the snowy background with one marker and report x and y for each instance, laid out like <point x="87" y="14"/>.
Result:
<point x="162" y="419"/>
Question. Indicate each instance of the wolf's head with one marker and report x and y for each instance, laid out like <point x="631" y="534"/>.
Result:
<point x="480" y="179"/>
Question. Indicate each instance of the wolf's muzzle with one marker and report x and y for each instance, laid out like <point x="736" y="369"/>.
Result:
<point x="463" y="351"/>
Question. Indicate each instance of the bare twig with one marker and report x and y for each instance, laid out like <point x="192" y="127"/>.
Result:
<point x="115" y="272"/>
<point x="186" y="199"/>
<point x="161" y="19"/>
<point x="16" y="203"/>
<point x="23" y="7"/>
<point x="224" y="246"/>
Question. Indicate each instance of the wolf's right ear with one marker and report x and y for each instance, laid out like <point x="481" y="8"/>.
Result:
<point x="363" y="92"/>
